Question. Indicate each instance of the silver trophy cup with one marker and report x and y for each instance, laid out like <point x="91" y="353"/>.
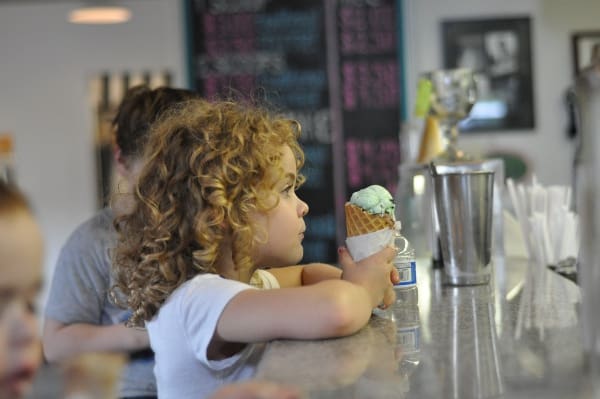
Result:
<point x="453" y="94"/>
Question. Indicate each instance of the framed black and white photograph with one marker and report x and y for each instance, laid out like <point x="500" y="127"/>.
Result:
<point x="586" y="50"/>
<point x="498" y="51"/>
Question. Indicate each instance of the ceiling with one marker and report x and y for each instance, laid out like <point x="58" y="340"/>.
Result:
<point x="59" y="1"/>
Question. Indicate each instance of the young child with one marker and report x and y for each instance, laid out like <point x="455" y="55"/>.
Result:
<point x="20" y="282"/>
<point x="214" y="207"/>
<point x="80" y="319"/>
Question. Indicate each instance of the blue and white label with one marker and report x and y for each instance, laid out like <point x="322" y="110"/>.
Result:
<point x="407" y="272"/>
<point x="408" y="339"/>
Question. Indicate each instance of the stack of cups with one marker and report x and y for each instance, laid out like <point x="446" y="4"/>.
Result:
<point x="463" y="202"/>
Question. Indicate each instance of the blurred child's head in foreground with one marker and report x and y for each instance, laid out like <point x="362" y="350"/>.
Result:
<point x="21" y="273"/>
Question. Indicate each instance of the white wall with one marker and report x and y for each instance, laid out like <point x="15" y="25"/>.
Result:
<point x="45" y="67"/>
<point x="552" y="22"/>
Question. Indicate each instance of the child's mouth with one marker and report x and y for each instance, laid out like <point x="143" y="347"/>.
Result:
<point x="19" y="381"/>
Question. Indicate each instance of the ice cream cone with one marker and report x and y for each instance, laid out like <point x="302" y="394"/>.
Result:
<point x="360" y="222"/>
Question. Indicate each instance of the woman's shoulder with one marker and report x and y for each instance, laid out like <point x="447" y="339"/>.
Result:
<point x="97" y="227"/>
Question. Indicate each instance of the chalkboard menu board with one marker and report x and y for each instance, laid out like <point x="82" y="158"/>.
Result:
<point x="333" y="66"/>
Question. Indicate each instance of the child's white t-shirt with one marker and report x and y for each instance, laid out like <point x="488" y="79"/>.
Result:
<point x="183" y="328"/>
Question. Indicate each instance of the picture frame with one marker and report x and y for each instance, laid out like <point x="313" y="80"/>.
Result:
<point x="582" y="48"/>
<point x="498" y="50"/>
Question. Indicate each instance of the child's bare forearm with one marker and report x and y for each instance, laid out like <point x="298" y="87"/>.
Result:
<point x="295" y="276"/>
<point x="345" y="307"/>
<point x="63" y="341"/>
<point x="315" y="272"/>
<point x="331" y="308"/>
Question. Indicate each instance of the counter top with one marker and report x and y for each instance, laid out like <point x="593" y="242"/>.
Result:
<point x="459" y="342"/>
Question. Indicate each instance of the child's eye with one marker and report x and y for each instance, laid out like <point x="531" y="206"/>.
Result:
<point x="31" y="306"/>
<point x="288" y="189"/>
<point x="7" y="297"/>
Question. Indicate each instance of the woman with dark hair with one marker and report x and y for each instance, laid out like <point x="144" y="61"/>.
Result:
<point x="79" y="317"/>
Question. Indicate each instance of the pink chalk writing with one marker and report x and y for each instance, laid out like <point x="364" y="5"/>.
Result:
<point x="372" y="161"/>
<point x="228" y="33"/>
<point x="215" y="86"/>
<point x="352" y="18"/>
<point x="370" y="84"/>
<point x="367" y="30"/>
<point x="349" y="91"/>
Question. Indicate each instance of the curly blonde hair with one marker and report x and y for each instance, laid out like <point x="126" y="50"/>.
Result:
<point x="209" y="166"/>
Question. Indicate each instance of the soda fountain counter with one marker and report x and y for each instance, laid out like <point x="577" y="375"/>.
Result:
<point x="481" y="341"/>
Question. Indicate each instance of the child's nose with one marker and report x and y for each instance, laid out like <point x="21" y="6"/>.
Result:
<point x="303" y="208"/>
<point x="23" y="326"/>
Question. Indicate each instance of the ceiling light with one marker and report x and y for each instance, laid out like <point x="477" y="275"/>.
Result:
<point x="99" y="15"/>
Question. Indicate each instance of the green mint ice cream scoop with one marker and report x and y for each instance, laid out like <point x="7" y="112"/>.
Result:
<point x="374" y="199"/>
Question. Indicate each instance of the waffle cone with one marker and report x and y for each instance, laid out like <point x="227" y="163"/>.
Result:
<point x="360" y="222"/>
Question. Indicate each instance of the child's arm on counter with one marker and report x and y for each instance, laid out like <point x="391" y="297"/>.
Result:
<point x="295" y="276"/>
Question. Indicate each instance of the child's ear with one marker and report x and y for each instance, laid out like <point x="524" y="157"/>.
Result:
<point x="120" y="161"/>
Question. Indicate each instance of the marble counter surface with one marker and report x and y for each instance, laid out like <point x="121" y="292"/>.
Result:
<point x="459" y="342"/>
